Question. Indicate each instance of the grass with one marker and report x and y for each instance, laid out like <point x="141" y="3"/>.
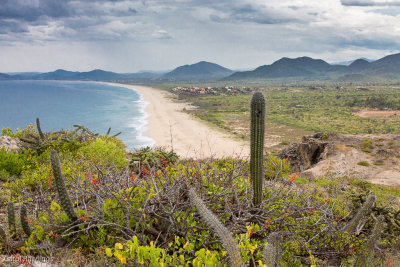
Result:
<point x="296" y="111"/>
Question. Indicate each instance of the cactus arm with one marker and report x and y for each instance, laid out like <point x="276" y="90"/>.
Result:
<point x="223" y="233"/>
<point x="63" y="196"/>
<point x="365" y="255"/>
<point x="24" y="222"/>
<point x="41" y="135"/>
<point x="362" y="212"/>
<point x="257" y="131"/>
<point x="11" y="219"/>
<point x="272" y="251"/>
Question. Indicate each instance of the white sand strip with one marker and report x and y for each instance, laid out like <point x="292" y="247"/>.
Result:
<point x="188" y="136"/>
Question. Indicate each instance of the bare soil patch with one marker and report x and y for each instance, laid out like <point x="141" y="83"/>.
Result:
<point x="377" y="113"/>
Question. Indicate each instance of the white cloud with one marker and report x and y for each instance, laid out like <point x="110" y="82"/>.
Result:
<point x="161" y="34"/>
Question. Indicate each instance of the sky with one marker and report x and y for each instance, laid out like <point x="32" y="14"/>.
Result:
<point x="131" y="36"/>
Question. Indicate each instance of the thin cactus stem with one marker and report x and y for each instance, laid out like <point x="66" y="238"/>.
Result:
<point x="41" y="135"/>
<point x="3" y="236"/>
<point x="365" y="255"/>
<point x="272" y="251"/>
<point x="224" y="234"/>
<point x="257" y="130"/>
<point x="24" y="220"/>
<point x="362" y="212"/>
<point x="11" y="219"/>
<point x="63" y="196"/>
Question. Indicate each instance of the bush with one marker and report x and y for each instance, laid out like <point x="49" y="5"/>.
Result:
<point x="11" y="163"/>
<point x="363" y="163"/>
<point x="366" y="145"/>
<point x="105" y="151"/>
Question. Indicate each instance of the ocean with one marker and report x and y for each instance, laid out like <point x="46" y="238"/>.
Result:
<point x="61" y="104"/>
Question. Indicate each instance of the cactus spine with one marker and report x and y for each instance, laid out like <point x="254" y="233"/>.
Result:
<point x="24" y="220"/>
<point x="272" y="251"/>
<point x="63" y="196"/>
<point x="257" y="129"/>
<point x="362" y="212"/>
<point x="365" y="255"/>
<point x="223" y="233"/>
<point x="11" y="219"/>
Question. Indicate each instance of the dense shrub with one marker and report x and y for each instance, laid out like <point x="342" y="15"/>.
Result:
<point x="11" y="164"/>
<point x="105" y="151"/>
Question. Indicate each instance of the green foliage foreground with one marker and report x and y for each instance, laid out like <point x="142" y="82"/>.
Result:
<point x="141" y="213"/>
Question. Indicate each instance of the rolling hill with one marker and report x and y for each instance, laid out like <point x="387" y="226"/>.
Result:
<point x="199" y="71"/>
<point x="308" y="68"/>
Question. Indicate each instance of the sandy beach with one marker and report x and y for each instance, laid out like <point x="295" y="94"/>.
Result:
<point x="169" y="127"/>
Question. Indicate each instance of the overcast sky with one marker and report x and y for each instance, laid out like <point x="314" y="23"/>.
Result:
<point x="130" y="36"/>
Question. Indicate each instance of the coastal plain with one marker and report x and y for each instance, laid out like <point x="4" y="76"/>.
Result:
<point x="170" y="127"/>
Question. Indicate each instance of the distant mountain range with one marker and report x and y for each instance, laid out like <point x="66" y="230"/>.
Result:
<point x="346" y="63"/>
<point x="200" y="71"/>
<point x="302" y="68"/>
<point x="307" y="68"/>
<point x="94" y="75"/>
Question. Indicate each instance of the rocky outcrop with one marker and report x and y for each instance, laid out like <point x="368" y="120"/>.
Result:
<point x="375" y="158"/>
<point x="11" y="144"/>
<point x="310" y="151"/>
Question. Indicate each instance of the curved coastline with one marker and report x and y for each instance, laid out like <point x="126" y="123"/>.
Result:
<point x="169" y="127"/>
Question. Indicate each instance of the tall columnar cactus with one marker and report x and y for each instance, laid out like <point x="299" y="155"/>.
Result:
<point x="41" y="135"/>
<point x="272" y="251"/>
<point x="257" y="130"/>
<point x="365" y="255"/>
<point x="223" y="233"/>
<point x="362" y="212"/>
<point x="3" y="236"/>
<point x="24" y="220"/>
<point x="63" y="196"/>
<point x="11" y="219"/>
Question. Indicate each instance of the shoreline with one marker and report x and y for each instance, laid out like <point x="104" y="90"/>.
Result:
<point x="189" y="137"/>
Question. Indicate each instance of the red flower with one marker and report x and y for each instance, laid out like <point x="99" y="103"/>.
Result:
<point x="85" y="218"/>
<point x="50" y="181"/>
<point x="266" y="223"/>
<point x="132" y="178"/>
<point x="145" y="171"/>
<point x="311" y="211"/>
<point x="351" y="250"/>
<point x="95" y="182"/>
<point x="164" y="162"/>
<point x="390" y="262"/>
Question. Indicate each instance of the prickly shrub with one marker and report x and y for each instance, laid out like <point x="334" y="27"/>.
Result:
<point x="257" y="130"/>
<point x="60" y="186"/>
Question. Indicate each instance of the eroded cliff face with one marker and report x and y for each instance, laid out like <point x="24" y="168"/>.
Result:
<point x="372" y="157"/>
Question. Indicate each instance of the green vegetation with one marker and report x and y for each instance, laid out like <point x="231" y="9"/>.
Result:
<point x="326" y="109"/>
<point x="144" y="214"/>
<point x="11" y="164"/>
<point x="363" y="163"/>
<point x="366" y="145"/>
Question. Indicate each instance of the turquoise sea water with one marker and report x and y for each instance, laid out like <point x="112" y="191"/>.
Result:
<point x="61" y="104"/>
